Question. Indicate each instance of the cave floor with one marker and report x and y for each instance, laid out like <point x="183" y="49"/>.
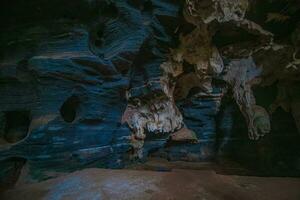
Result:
<point x="159" y="184"/>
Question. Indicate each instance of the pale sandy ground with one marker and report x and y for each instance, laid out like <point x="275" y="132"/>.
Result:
<point x="98" y="184"/>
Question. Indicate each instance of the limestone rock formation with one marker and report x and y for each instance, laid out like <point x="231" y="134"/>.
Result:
<point x="220" y="10"/>
<point x="104" y="83"/>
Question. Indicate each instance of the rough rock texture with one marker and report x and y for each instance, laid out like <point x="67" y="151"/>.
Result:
<point x="178" y="184"/>
<point x="220" y="10"/>
<point x="158" y="115"/>
<point x="106" y="82"/>
<point x="69" y="73"/>
<point x="241" y="75"/>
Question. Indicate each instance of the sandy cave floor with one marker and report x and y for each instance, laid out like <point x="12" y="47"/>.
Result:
<point x="177" y="184"/>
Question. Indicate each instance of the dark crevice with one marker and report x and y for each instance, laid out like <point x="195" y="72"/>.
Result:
<point x="110" y="10"/>
<point x="99" y="39"/>
<point x="69" y="109"/>
<point x="188" y="68"/>
<point x="15" y="126"/>
<point x="228" y="34"/>
<point x="265" y="96"/>
<point x="259" y="12"/>
<point x="147" y="6"/>
<point x="10" y="171"/>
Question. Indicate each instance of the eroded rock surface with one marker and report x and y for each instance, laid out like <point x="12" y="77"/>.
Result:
<point x="130" y="184"/>
<point x="103" y="83"/>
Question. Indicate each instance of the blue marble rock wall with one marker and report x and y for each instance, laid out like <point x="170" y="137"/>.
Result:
<point x="200" y="116"/>
<point x="69" y="74"/>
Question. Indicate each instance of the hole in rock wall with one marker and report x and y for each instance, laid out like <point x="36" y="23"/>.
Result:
<point x="15" y="126"/>
<point x="276" y="154"/>
<point x="266" y="95"/>
<point x="99" y="39"/>
<point x="286" y="16"/>
<point x="187" y="68"/>
<point x="110" y="10"/>
<point x="10" y="171"/>
<point x="147" y="6"/>
<point x="229" y="34"/>
<point x="69" y="109"/>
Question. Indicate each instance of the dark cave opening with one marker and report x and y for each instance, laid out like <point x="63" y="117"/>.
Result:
<point x="280" y="17"/>
<point x="228" y="34"/>
<point x="147" y="6"/>
<point x="10" y="171"/>
<point x="110" y="10"/>
<point x="275" y="154"/>
<point x="69" y="109"/>
<point x="266" y="95"/>
<point x="99" y="37"/>
<point x="16" y="125"/>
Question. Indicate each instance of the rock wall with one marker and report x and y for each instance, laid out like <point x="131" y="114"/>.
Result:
<point x="106" y="83"/>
